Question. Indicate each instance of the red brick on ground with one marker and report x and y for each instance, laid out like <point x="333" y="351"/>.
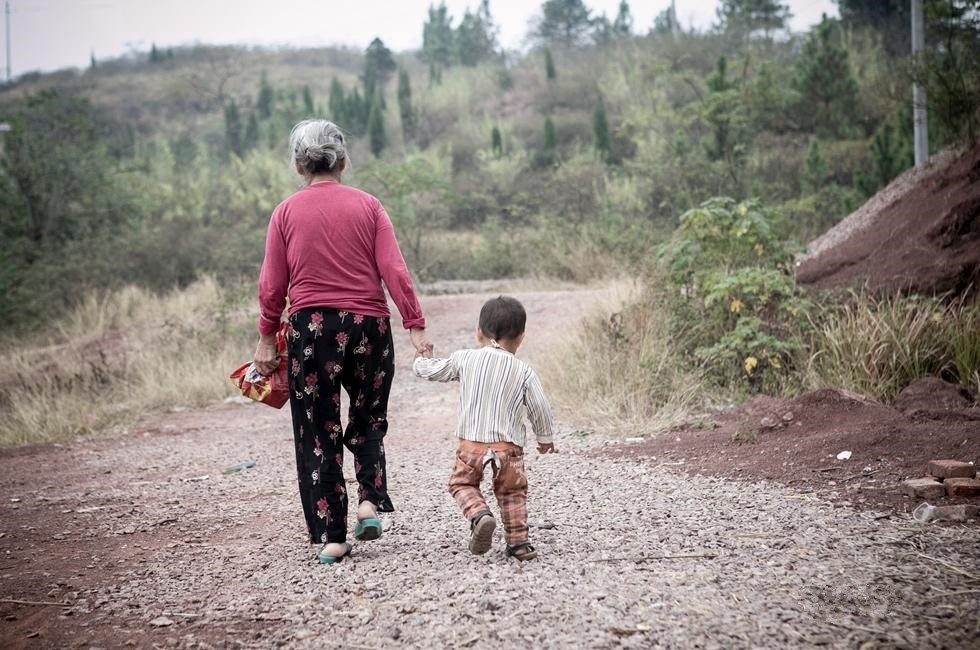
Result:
<point x="923" y="488"/>
<point x="951" y="469"/>
<point x="962" y="487"/>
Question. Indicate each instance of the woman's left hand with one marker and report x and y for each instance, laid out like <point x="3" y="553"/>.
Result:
<point x="266" y="357"/>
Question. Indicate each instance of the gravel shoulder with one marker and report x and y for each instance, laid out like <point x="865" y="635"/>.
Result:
<point x="144" y="550"/>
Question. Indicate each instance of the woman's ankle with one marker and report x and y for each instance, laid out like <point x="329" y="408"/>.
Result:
<point x="366" y="510"/>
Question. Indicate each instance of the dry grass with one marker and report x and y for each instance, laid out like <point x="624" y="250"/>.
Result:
<point x="120" y="355"/>
<point x="878" y="345"/>
<point x="616" y="372"/>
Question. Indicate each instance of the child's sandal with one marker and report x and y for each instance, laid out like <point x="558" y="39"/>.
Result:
<point x="481" y="533"/>
<point x="523" y="551"/>
<point x="333" y="559"/>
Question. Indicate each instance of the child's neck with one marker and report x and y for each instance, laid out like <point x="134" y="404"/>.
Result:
<point x="510" y="345"/>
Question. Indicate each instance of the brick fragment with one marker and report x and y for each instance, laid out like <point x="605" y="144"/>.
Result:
<point x="958" y="513"/>
<point x="923" y="488"/>
<point x="951" y="469"/>
<point x="962" y="487"/>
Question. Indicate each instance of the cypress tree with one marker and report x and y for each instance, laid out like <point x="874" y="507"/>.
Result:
<point x="91" y="61"/>
<point x="405" y="108"/>
<point x="600" y="131"/>
<point x="154" y="54"/>
<point x="251" y="139"/>
<point x="496" y="142"/>
<point x="308" y="105"/>
<point x="814" y="168"/>
<point x="266" y="97"/>
<point x="550" y="138"/>
<point x="549" y="65"/>
<point x="233" y="128"/>
<point x="338" y="104"/>
<point x="376" y="127"/>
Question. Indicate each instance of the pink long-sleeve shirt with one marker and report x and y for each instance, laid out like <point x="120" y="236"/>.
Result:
<point x="331" y="245"/>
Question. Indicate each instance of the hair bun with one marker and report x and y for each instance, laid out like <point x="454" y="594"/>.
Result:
<point x="317" y="146"/>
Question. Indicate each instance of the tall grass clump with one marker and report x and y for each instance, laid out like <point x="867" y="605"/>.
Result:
<point x="616" y="370"/>
<point x="118" y="355"/>
<point x="877" y="345"/>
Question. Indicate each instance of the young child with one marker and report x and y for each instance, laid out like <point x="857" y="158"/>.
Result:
<point x="497" y="393"/>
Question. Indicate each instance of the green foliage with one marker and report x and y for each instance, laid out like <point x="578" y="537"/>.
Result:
<point x="734" y="306"/>
<point x="623" y="24"/>
<point x="309" y="107"/>
<point x="949" y="69"/>
<point x="405" y="108"/>
<point x="377" y="137"/>
<point x="815" y="169"/>
<point x="251" y="137"/>
<point x="476" y="36"/>
<point x="891" y="153"/>
<point x="549" y="65"/>
<point x="337" y="103"/>
<point x="437" y="41"/>
<point x="379" y="64"/>
<point x="496" y="141"/>
<point x="889" y="18"/>
<point x="601" y="140"/>
<point x="828" y="92"/>
<point x="265" y="103"/>
<point x="233" y="129"/>
<point x="550" y="138"/>
<point x="751" y="16"/>
<point x="564" y="22"/>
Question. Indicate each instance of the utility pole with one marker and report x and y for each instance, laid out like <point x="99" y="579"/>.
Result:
<point x="7" y="17"/>
<point x="919" y="119"/>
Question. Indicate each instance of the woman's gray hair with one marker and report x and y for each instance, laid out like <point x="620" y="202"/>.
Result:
<point x="317" y="146"/>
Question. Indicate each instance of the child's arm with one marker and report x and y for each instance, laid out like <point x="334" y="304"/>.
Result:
<point x="539" y="412"/>
<point x="437" y="369"/>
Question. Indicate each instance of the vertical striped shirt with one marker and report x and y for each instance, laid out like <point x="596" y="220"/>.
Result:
<point x="498" y="392"/>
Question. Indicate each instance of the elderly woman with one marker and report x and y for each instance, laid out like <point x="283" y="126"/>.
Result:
<point x="328" y="248"/>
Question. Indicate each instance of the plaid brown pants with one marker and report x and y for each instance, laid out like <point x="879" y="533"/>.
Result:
<point x="509" y="485"/>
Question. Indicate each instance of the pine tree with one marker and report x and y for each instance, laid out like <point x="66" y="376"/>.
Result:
<point x="566" y="22"/>
<point x="600" y="131"/>
<point x="308" y="105"/>
<point x="823" y="78"/>
<point x="718" y="82"/>
<point x="623" y="25"/>
<point x="251" y="138"/>
<point x="550" y="137"/>
<point x="377" y="138"/>
<point x="338" y="104"/>
<point x="358" y="112"/>
<point x="233" y="128"/>
<point x="476" y="36"/>
<point x="496" y="141"/>
<point x="437" y="41"/>
<point x="405" y="109"/>
<point x="266" y="99"/>
<point x="155" y="54"/>
<point x="549" y="65"/>
<point x="378" y="66"/>
<point x="750" y="16"/>
<point x="814" y="168"/>
<point x="91" y="61"/>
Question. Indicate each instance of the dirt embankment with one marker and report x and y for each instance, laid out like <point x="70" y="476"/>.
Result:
<point x="921" y="233"/>
<point x="796" y="442"/>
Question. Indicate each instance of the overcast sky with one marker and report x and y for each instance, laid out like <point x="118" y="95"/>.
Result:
<point x="51" y="34"/>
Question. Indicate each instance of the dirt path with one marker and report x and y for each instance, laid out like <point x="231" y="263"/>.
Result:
<point x="150" y="545"/>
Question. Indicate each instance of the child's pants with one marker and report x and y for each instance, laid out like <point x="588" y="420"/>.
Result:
<point x="509" y="485"/>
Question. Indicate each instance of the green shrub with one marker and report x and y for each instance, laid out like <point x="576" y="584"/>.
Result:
<point x="734" y="306"/>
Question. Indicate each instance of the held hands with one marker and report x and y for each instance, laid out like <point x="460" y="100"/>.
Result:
<point x="423" y="347"/>
<point x="548" y="448"/>
<point x="266" y="358"/>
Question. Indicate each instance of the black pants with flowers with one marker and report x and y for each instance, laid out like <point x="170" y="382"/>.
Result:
<point x="330" y="349"/>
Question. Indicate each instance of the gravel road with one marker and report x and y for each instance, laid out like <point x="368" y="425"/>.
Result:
<point x="150" y="545"/>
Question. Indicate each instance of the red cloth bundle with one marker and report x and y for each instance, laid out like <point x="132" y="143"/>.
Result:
<point x="272" y="389"/>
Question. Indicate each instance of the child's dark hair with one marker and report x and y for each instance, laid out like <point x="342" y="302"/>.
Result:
<point x="502" y="318"/>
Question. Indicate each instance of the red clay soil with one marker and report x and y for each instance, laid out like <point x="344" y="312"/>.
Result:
<point x="795" y="442"/>
<point x="921" y="233"/>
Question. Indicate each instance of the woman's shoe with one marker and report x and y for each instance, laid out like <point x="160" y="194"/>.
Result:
<point x="523" y="551"/>
<point x="481" y="533"/>
<point x="368" y="529"/>
<point x="333" y="559"/>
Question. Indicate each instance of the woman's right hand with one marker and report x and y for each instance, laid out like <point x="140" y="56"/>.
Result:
<point x="266" y="357"/>
<point x="423" y="347"/>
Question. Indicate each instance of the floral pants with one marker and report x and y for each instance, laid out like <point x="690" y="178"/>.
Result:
<point x="330" y="350"/>
<point x="509" y="484"/>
